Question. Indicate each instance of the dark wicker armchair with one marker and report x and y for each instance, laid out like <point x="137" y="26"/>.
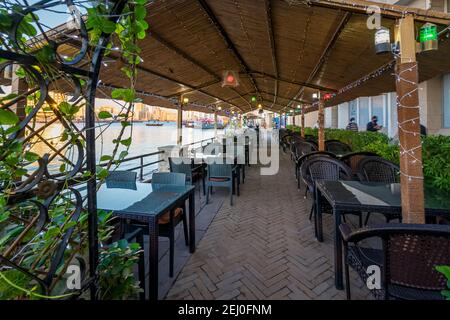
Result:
<point x="194" y="172"/>
<point x="377" y="169"/>
<point x="301" y="159"/>
<point x="353" y="159"/>
<point x="407" y="260"/>
<point x="324" y="168"/>
<point x="337" y="147"/>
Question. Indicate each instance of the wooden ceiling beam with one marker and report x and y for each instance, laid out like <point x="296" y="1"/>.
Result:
<point x="229" y="43"/>
<point x="325" y="53"/>
<point x="189" y="58"/>
<point x="268" y="5"/>
<point x="159" y="75"/>
<point x="297" y="83"/>
<point x="388" y="11"/>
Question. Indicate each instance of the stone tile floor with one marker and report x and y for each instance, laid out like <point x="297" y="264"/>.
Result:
<point x="263" y="247"/>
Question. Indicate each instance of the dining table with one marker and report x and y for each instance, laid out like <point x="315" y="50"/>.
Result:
<point x="357" y="196"/>
<point x="144" y="204"/>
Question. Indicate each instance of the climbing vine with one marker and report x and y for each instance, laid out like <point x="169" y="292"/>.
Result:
<point x="18" y="159"/>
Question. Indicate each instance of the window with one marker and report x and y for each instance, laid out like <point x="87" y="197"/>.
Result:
<point x="353" y="113"/>
<point x="446" y="111"/>
<point x="377" y="109"/>
<point x="364" y="117"/>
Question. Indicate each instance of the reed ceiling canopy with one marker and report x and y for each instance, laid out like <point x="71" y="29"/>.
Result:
<point x="282" y="51"/>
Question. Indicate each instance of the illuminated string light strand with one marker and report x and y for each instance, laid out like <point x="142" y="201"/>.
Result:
<point x="410" y="152"/>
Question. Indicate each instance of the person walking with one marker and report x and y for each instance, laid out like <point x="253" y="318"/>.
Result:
<point x="373" y="125"/>
<point x="352" y="126"/>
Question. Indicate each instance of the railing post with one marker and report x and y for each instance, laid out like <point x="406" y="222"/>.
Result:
<point x="142" y="169"/>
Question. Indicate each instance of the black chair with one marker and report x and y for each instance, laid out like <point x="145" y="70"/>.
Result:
<point x="337" y="147"/>
<point x="303" y="175"/>
<point x="194" y="172"/>
<point x="169" y="221"/>
<point x="407" y="259"/>
<point x="377" y="169"/>
<point x="325" y="168"/>
<point x="121" y="179"/>
<point x="352" y="159"/>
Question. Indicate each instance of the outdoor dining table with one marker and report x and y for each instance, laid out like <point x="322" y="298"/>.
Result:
<point x="356" y="196"/>
<point x="144" y="203"/>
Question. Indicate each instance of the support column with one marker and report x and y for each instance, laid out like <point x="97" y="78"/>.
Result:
<point x="293" y="118"/>
<point x="303" y="122"/>
<point x="321" y="118"/>
<point x="179" y="124"/>
<point x="215" y="123"/>
<point x="407" y="83"/>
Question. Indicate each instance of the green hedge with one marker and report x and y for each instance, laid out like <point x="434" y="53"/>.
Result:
<point x="436" y="151"/>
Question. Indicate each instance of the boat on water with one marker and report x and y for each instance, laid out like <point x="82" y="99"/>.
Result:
<point x="154" y="124"/>
<point x="189" y="124"/>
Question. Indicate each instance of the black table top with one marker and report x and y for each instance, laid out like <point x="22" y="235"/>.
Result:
<point x="380" y="196"/>
<point x="142" y="199"/>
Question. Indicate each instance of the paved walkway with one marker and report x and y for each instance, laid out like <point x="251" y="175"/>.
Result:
<point x="263" y="247"/>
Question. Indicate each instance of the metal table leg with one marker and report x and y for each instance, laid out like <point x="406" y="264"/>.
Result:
<point x="153" y="258"/>
<point x="338" y="278"/>
<point x="192" y="222"/>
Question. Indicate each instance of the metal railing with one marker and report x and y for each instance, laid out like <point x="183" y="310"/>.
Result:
<point x="141" y="165"/>
<point x="141" y="158"/>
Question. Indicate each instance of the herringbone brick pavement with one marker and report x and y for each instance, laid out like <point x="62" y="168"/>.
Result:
<point x="263" y="247"/>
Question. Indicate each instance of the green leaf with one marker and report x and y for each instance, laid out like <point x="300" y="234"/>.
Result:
<point x="8" y="96"/>
<point x="102" y="173"/>
<point x="46" y="54"/>
<point x="445" y="270"/>
<point x="125" y="124"/>
<point x="104" y="115"/>
<point x="106" y="158"/>
<point x="8" y="118"/>
<point x="31" y="156"/>
<point x="68" y="109"/>
<point x="5" y="20"/>
<point x="127" y="95"/>
<point x="123" y="154"/>
<point x="140" y="12"/>
<point x="126" y="142"/>
<point x="62" y="168"/>
<point x="20" y="72"/>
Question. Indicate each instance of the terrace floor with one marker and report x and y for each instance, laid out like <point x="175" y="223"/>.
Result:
<point x="263" y="247"/>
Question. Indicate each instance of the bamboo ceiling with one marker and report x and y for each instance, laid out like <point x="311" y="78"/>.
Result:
<point x="283" y="51"/>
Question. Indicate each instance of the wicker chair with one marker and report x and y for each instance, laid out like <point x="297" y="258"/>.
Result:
<point x="168" y="221"/>
<point x="324" y="168"/>
<point x="407" y="260"/>
<point x="352" y="159"/>
<point x="377" y="169"/>
<point x="194" y="172"/>
<point x="121" y="179"/>
<point x="304" y="174"/>
<point x="337" y="147"/>
<point x="221" y="175"/>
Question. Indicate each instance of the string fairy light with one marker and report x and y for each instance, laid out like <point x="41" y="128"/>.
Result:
<point x="411" y="151"/>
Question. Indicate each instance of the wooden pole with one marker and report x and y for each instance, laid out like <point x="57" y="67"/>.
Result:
<point x="303" y="122"/>
<point x="180" y="123"/>
<point x="407" y="83"/>
<point x="215" y="123"/>
<point x="293" y="118"/>
<point x="321" y="118"/>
